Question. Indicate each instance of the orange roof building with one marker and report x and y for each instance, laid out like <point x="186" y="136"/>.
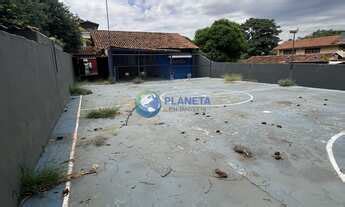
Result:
<point x="121" y="55"/>
<point x="329" y="49"/>
<point x="320" y="45"/>
<point x="140" y="40"/>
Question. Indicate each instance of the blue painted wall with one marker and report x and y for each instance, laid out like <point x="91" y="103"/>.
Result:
<point x="181" y="67"/>
<point x="167" y="68"/>
<point x="178" y="69"/>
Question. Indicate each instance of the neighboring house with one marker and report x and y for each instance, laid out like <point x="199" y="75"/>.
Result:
<point x="320" y="45"/>
<point x="322" y="50"/>
<point x="122" y="55"/>
<point x="85" y="60"/>
<point x="88" y="25"/>
<point x="327" y="58"/>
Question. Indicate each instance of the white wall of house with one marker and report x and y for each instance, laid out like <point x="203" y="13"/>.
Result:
<point x="323" y="50"/>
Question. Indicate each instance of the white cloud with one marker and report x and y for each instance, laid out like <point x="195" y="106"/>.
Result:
<point x="186" y="17"/>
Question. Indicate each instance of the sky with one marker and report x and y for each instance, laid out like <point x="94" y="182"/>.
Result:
<point x="186" y="16"/>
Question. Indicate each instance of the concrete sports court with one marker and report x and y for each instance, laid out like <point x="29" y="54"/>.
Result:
<point x="170" y="159"/>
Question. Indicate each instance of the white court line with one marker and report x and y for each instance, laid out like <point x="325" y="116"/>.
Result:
<point x="71" y="156"/>
<point x="102" y="107"/>
<point x="250" y="98"/>
<point x="207" y="133"/>
<point x="260" y="89"/>
<point x="329" y="147"/>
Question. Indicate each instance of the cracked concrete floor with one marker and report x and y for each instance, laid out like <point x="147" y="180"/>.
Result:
<point x="169" y="160"/>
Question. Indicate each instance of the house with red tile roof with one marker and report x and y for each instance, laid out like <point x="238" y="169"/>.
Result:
<point x="320" y="45"/>
<point x="325" y="50"/>
<point x="124" y="55"/>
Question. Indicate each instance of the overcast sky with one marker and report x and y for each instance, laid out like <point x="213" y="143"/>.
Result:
<point x="186" y="16"/>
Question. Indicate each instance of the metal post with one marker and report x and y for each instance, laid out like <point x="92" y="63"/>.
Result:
<point x="138" y="59"/>
<point x="107" y="10"/>
<point x="171" y="77"/>
<point x="293" y="47"/>
<point x="111" y="68"/>
<point x="210" y="73"/>
<point x="292" y="59"/>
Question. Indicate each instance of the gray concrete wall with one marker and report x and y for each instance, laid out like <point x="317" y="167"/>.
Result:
<point x="310" y="75"/>
<point x="34" y="89"/>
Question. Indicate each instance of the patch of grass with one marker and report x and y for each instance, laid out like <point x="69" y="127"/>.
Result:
<point x="231" y="77"/>
<point x="33" y="182"/>
<point x="100" y="141"/>
<point x="103" y="82"/>
<point x="97" y="141"/>
<point x="251" y="80"/>
<point x="138" y="80"/>
<point x="286" y="82"/>
<point x="77" y="90"/>
<point x="103" y="113"/>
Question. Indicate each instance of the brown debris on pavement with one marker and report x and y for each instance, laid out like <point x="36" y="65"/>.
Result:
<point x="245" y="151"/>
<point x="65" y="192"/>
<point x="168" y="171"/>
<point x="277" y="156"/>
<point x="220" y="173"/>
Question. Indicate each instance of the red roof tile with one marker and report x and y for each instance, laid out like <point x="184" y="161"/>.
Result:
<point x="310" y="58"/>
<point x="85" y="51"/>
<point x="141" y="40"/>
<point x="312" y="42"/>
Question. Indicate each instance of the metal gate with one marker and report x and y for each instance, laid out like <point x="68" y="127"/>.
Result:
<point x="152" y="66"/>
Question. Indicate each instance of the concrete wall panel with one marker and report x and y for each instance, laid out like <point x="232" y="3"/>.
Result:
<point x="34" y="91"/>
<point x="310" y="75"/>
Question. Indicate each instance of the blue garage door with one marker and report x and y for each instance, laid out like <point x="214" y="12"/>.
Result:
<point x="181" y="66"/>
<point x="175" y="66"/>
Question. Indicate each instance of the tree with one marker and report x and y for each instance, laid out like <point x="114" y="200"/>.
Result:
<point x="51" y="17"/>
<point x="62" y="25"/>
<point x="261" y="35"/>
<point x="323" y="33"/>
<point x="21" y="13"/>
<point x="223" y="41"/>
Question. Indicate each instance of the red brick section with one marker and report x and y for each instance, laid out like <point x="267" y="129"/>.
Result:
<point x="140" y="40"/>
<point x="310" y="58"/>
<point x="313" y="42"/>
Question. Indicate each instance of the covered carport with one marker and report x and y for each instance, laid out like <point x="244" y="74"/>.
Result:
<point x="150" y="55"/>
<point x="127" y="64"/>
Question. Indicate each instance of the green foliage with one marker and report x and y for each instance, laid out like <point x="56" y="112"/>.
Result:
<point x="51" y="17"/>
<point x="231" y="77"/>
<point x="323" y="33"/>
<point x="33" y="182"/>
<point x="21" y="13"/>
<point x="76" y="90"/>
<point x="286" y="82"/>
<point x="63" y="25"/>
<point x="103" y="113"/>
<point x="223" y="41"/>
<point x="261" y="35"/>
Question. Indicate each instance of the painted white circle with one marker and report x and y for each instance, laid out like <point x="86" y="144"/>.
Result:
<point x="218" y="98"/>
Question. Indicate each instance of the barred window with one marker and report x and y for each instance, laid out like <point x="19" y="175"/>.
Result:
<point x="289" y="52"/>
<point x="312" y="50"/>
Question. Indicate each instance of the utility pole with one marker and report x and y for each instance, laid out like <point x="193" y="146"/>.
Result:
<point x="292" y="59"/>
<point x="107" y="10"/>
<point x="110" y="63"/>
